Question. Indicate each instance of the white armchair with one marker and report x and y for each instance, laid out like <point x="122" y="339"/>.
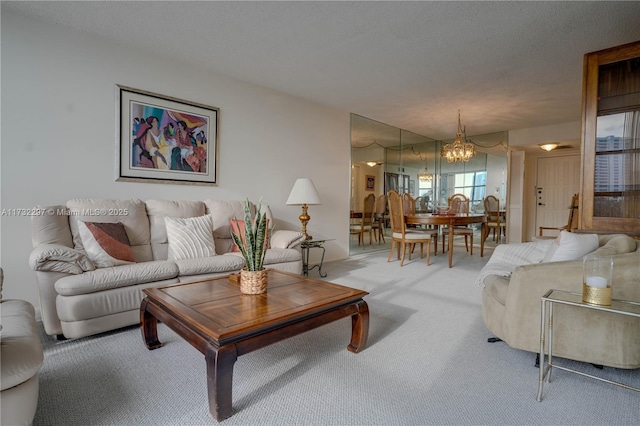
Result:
<point x="22" y="356"/>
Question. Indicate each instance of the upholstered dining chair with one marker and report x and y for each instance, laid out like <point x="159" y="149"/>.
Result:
<point x="378" y="217"/>
<point x="366" y="221"/>
<point x="494" y="219"/>
<point x="459" y="204"/>
<point x="401" y="236"/>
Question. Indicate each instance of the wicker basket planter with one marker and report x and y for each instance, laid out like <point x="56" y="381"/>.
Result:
<point x="253" y="282"/>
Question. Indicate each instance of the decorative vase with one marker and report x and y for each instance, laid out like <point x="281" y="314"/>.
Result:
<point x="253" y="282"/>
<point x="597" y="278"/>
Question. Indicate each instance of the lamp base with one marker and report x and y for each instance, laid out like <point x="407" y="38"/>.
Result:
<point x="304" y="219"/>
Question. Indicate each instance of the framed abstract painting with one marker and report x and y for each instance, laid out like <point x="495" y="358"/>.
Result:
<point x="164" y="139"/>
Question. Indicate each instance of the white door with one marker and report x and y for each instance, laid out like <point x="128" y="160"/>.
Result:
<point x="558" y="178"/>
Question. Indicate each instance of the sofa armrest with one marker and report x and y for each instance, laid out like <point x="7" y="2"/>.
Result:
<point x="59" y="258"/>
<point x="286" y="239"/>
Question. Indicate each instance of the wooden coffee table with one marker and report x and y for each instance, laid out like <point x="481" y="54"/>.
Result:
<point x="223" y="324"/>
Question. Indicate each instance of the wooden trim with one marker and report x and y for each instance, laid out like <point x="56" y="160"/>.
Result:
<point x="591" y="64"/>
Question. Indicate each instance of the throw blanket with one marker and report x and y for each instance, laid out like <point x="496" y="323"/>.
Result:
<point x="506" y="257"/>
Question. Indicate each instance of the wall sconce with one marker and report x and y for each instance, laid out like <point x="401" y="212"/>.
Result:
<point x="548" y="146"/>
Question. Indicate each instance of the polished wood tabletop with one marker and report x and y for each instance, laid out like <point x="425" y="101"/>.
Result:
<point x="451" y="220"/>
<point x="219" y="321"/>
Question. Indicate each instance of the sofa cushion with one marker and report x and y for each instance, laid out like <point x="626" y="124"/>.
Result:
<point x="278" y="255"/>
<point x="117" y="276"/>
<point x="20" y="347"/>
<point x="571" y="246"/>
<point x="207" y="265"/>
<point x="106" y="244"/>
<point x="51" y="227"/>
<point x="613" y="244"/>
<point x="222" y="211"/>
<point x="190" y="238"/>
<point x="158" y="210"/>
<point x="132" y="213"/>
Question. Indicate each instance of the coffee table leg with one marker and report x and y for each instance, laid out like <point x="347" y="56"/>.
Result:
<point x="359" y="328"/>
<point x="149" y="326"/>
<point x="220" y="363"/>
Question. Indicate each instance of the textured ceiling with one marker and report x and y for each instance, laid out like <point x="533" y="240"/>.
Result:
<point x="504" y="65"/>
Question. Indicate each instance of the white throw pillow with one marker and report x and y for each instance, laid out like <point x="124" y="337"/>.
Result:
<point x="571" y="246"/>
<point x="190" y="238"/>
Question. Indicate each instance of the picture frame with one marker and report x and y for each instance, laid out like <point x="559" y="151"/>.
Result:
<point x="370" y="183"/>
<point x="161" y="139"/>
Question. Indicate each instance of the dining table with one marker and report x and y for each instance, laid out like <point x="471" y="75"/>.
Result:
<point x="451" y="220"/>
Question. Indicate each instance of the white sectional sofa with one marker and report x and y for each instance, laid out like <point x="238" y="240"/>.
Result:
<point x="78" y="299"/>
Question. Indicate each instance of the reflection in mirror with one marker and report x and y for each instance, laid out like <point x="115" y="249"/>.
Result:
<point x="384" y="157"/>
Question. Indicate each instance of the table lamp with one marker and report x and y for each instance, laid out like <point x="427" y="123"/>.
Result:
<point x="303" y="193"/>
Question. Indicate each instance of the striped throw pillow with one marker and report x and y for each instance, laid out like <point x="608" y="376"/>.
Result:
<point x="190" y="238"/>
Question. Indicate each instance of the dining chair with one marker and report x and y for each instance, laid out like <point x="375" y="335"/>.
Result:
<point x="459" y="204"/>
<point x="421" y="204"/>
<point x="572" y="222"/>
<point x="378" y="218"/>
<point x="401" y="236"/>
<point x="366" y="221"/>
<point x="494" y="219"/>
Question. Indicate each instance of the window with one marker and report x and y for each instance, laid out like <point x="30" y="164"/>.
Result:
<point x="471" y="184"/>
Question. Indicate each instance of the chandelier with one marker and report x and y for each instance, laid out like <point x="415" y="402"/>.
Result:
<point x="425" y="176"/>
<point x="458" y="150"/>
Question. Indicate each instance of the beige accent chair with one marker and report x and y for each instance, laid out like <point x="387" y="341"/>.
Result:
<point x="511" y="306"/>
<point x="22" y="356"/>
<point x="401" y="237"/>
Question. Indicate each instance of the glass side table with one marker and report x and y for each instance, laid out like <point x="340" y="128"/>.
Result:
<point x="306" y="247"/>
<point x="617" y="307"/>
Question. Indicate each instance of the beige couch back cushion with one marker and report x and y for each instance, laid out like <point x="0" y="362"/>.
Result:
<point x="131" y="213"/>
<point x="52" y="227"/>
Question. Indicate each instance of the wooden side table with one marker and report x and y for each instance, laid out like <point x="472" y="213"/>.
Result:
<point x="617" y="307"/>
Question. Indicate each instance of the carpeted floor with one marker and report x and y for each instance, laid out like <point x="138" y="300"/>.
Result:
<point x="427" y="363"/>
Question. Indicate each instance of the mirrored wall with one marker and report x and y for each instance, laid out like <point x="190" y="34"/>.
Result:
<point x="384" y="157"/>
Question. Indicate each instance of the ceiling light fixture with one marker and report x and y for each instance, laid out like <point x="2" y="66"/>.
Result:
<point x="425" y="176"/>
<point x="548" y="146"/>
<point x="460" y="149"/>
<point x="371" y="163"/>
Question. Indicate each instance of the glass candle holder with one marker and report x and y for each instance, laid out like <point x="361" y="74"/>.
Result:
<point x="597" y="278"/>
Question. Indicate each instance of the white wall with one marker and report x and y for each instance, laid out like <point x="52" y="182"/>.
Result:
<point x="563" y="133"/>
<point x="58" y="137"/>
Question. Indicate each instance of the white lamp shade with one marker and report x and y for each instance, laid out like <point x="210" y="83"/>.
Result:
<point x="303" y="192"/>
